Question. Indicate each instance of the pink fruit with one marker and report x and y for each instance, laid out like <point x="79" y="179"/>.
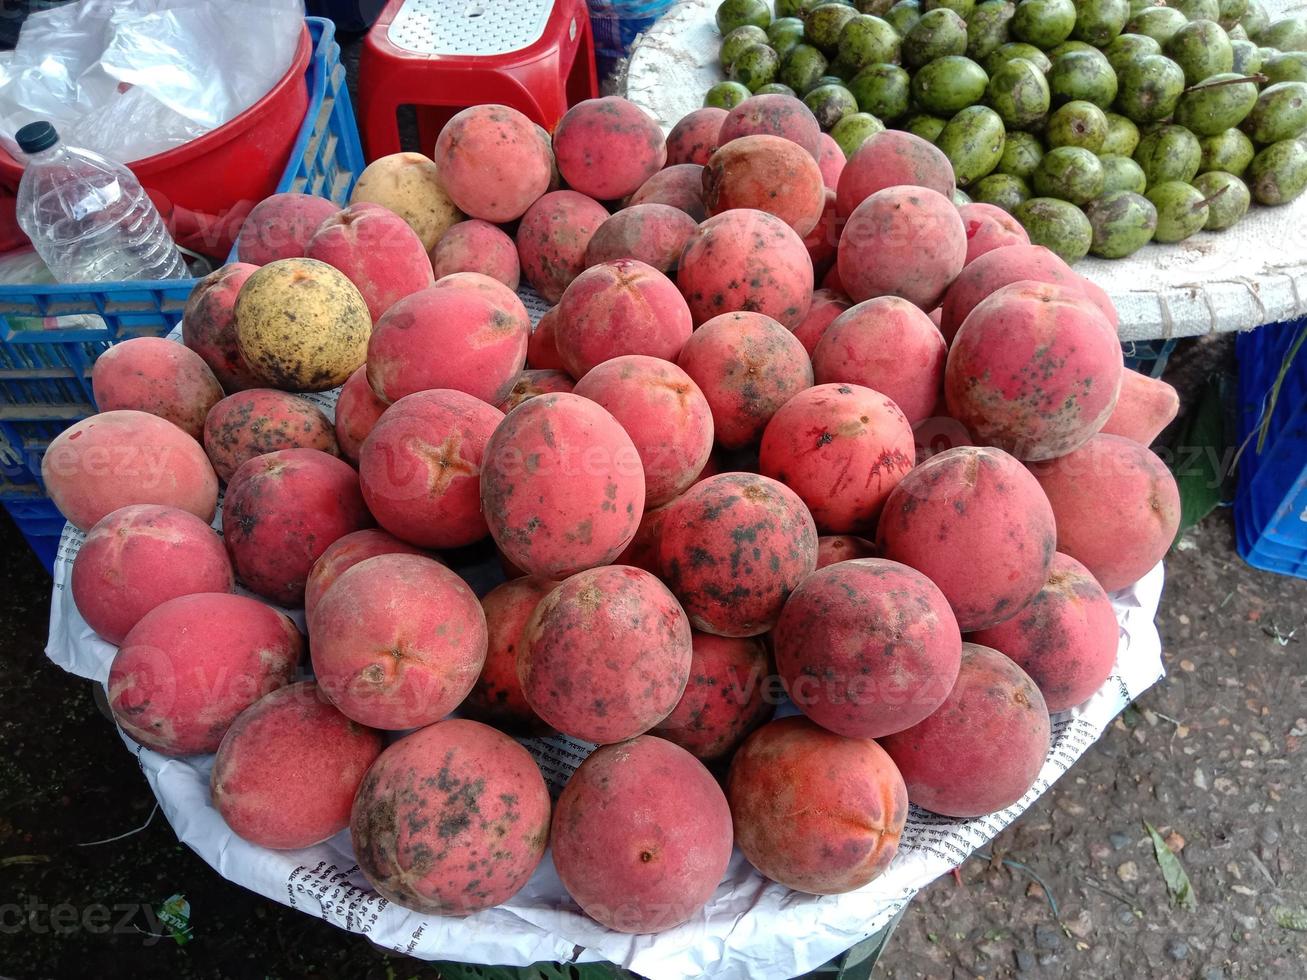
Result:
<point x="139" y="557"/>
<point x="1098" y="296"/>
<point x="343" y="554"/>
<point x="973" y="522"/>
<point x="733" y="548"/>
<point x="989" y="227"/>
<point x="679" y="187"/>
<point x="553" y="237"/>
<point x="530" y="383"/>
<point x="641" y="836"/>
<point x="695" y="137"/>
<point x="1143" y="409"/>
<point x="477" y="246"/>
<point x="766" y="173"/>
<point x="608" y="147"/>
<point x="562" y="487"/>
<point x="451" y="820"/>
<point x="357" y="410"/>
<point x="826" y="306"/>
<point x="823" y="241"/>
<point x="497" y="697"/>
<point x="815" y="811"/>
<point x="773" y="115"/>
<point x="150" y="374"/>
<point x="984" y="747"/>
<point x="833" y="548"/>
<point x="398" y="641"/>
<point x="178" y="697"/>
<point x="653" y="233"/>
<point x="262" y="420"/>
<point x="280" y="227"/>
<point x="991" y="272"/>
<point x="492" y="162"/>
<point x="842" y="448"/>
<point x="642" y="552"/>
<point x="209" y="325"/>
<point x="288" y="768"/>
<point x="938" y="434"/>
<point x="377" y="250"/>
<point x="542" y="348"/>
<point x="889" y="159"/>
<point x="832" y="161"/>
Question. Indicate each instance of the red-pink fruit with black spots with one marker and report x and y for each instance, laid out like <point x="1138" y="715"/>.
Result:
<point x="552" y="239"/>
<point x="982" y="750"/>
<point x="887" y="344"/>
<point x="815" y="811"/>
<point x="773" y="115"/>
<point x="641" y="836"/>
<point x="467" y="332"/>
<point x="608" y="147"/>
<point x="282" y="511"/>
<point x="605" y="656"/>
<point x="725" y="699"/>
<point x="451" y="819"/>
<point x="889" y="159"/>
<point x="377" y="250"/>
<point x="1144" y="408"/>
<point x="842" y="448"/>
<point x="209" y="325"/>
<point x="178" y="696"/>
<point x="642" y="552"/>
<point x="1117" y="507"/>
<point x="992" y="271"/>
<point x="154" y="375"/>
<point x="357" y="410"/>
<point x="664" y="413"/>
<point x="867" y="647"/>
<point x="1065" y="639"/>
<point x="542" y="347"/>
<point x="833" y="548"/>
<point x="477" y="246"/>
<point x="939" y="434"/>
<point x="496" y="698"/>
<point x="823" y="241"/>
<point x="827" y="304"/>
<point x="139" y="557"/>
<point x="562" y="487"/>
<point x="530" y="383"/>
<point x="831" y="160"/>
<point x="280" y="226"/>
<point x="343" y="554"/>
<point x="766" y="173"/>
<point x="694" y="138"/>
<point x="288" y="768"/>
<point x="733" y="548"/>
<point x="420" y="468"/>
<point x="989" y="227"/>
<point x="492" y="162"/>
<point x="746" y="261"/>
<point x="397" y="641"/>
<point x="1098" y="296"/>
<point x="679" y="187"/>
<point x="1035" y="370"/>
<point x="619" y="308"/>
<point x="978" y="502"/>
<point x="263" y="420"/>
<point x="902" y="241"/>
<point x="652" y="233"/>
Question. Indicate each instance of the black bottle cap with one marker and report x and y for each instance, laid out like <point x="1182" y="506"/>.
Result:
<point x="35" y="137"/>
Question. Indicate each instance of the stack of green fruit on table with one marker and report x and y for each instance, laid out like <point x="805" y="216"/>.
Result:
<point x="1100" y="124"/>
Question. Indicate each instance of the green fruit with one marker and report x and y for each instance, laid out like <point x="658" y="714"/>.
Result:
<point x="973" y="142"/>
<point x="1286" y="34"/>
<point x="1248" y="59"/>
<point x="1237" y="33"/>
<point x="1123" y="222"/>
<point x="960" y="197"/>
<point x="882" y="90"/>
<point x="903" y="16"/>
<point x="734" y="43"/>
<point x="1230" y="152"/>
<point x="962" y="8"/>
<point x="1099" y="21"/>
<point x="795" y="8"/>
<point x="1001" y="190"/>
<point x="824" y="24"/>
<point x="876" y="7"/>
<point x="1080" y="124"/>
<point x="1122" y="174"/>
<point x="1287" y="66"/>
<point x="1216" y="105"/>
<point x="868" y="40"/>
<point x="1231" y="10"/>
<point x="1066" y="47"/>
<point x="1019" y="93"/>
<point x="927" y="127"/>
<point x="1169" y="153"/>
<point x="1060" y="227"/>
<point x="1150" y="88"/>
<point x="785" y="34"/>
<point x="850" y="131"/>
<point x="1137" y="6"/>
<point x="1280" y="113"/>
<point x="1196" y="10"/>
<point x="1082" y="76"/>
<point x="1202" y="49"/>
<point x="830" y="103"/>
<point x="1069" y="173"/>
<point x="1255" y="20"/>
<point x="802" y="68"/>
<point x="829" y="80"/>
<point x="726" y="95"/>
<point x="1122" y="136"/>
<point x="775" y="88"/>
<point x="1017" y="49"/>
<point x="736" y="13"/>
<point x="1278" y="173"/>
<point x="1043" y="23"/>
<point x="987" y="27"/>
<point x="1126" y="49"/>
<point x="1181" y="210"/>
<point x="946" y="85"/>
<point x="939" y="33"/>
<point x="1227" y="197"/>
<point x="1159" y="23"/>
<point x="755" y="67"/>
<point x="1021" y="155"/>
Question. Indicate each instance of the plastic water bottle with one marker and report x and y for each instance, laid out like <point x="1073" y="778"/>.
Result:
<point x="88" y="217"/>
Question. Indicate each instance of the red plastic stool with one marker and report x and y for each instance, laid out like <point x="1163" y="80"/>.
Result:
<point x="444" y="55"/>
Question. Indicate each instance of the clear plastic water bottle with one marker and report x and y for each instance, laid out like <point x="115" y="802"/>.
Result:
<point x="88" y="217"/>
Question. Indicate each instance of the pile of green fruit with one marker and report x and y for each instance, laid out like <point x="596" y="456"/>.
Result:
<point x="1100" y="124"/>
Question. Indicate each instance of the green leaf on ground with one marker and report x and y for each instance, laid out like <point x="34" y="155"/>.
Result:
<point x="1295" y="919"/>
<point x="1198" y="461"/>
<point x="1173" y="873"/>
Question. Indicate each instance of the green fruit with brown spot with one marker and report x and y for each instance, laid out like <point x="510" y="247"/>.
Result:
<point x="962" y="8"/>
<point x="903" y="16"/>
<point x="1202" y="49"/>
<point x="1196" y="10"/>
<point x="755" y="67"/>
<point x="1285" y="34"/>
<point x="1001" y="190"/>
<point x="948" y="85"/>
<point x="868" y="40"/>
<point x="938" y="33"/>
<point x="1230" y="151"/>
<point x="1069" y="173"/>
<point x="1082" y="76"/>
<point x="1181" y="210"/>
<point x="1159" y="23"/>
<point x="973" y="142"/>
<point x="1122" y="174"/>
<point x="1215" y="105"/>
<point x="1126" y="49"/>
<point x="1021" y="155"/>
<point x="1150" y="88"/>
<point x="1227" y="197"/>
<point x="851" y="131"/>
<point x="1044" y="23"/>
<point x="1018" y="92"/>
<point x="1060" y="227"/>
<point x="1099" y="21"/>
<point x="988" y="27"/>
<point x="1017" y="49"/>
<point x="1122" y="223"/>
<point x="735" y="43"/>
<point x="726" y="95"/>
<point x="830" y="103"/>
<point x="1122" y="136"/>
<point x="1255" y="19"/>
<point x="823" y="25"/>
<point x="1080" y="124"/>
<point x="1280" y="113"/>
<point x="1231" y="10"/>
<point x="738" y="13"/>
<point x="927" y="127"/>
<point x="802" y="68"/>
<point x="1169" y="153"/>
<point x="1285" y="66"/>
<point x="885" y="91"/>
<point x="785" y="34"/>
<point x="1278" y="174"/>
<point x="1248" y="59"/>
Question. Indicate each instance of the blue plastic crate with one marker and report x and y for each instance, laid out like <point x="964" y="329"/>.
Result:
<point x="1148" y="357"/>
<point x="616" y="24"/>
<point x="37" y="519"/>
<point x="1271" y="502"/>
